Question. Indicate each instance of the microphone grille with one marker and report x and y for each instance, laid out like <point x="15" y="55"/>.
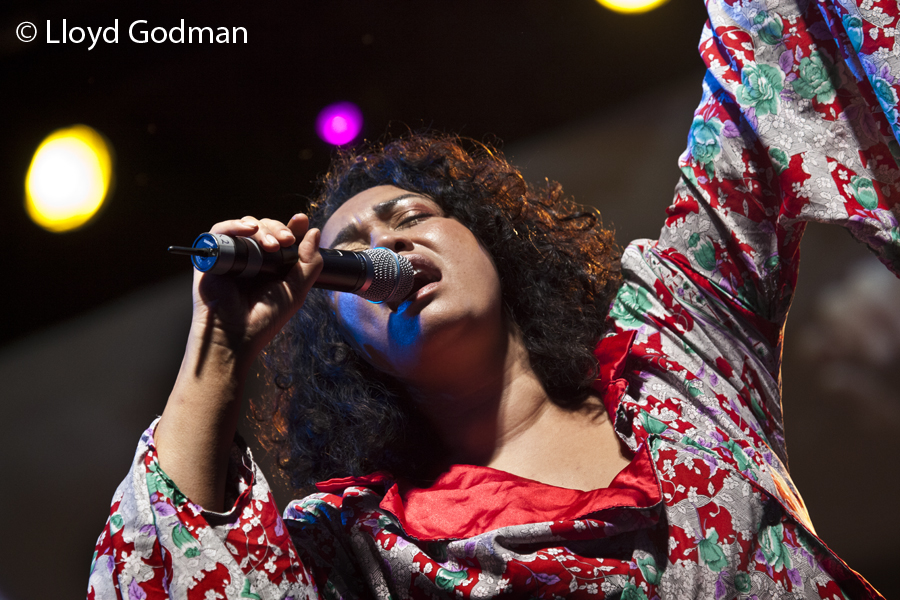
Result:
<point x="392" y="278"/>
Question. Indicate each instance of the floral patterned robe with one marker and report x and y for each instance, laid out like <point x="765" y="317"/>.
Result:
<point x="798" y="122"/>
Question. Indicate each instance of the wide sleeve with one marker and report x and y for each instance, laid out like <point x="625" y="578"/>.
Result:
<point x="798" y="122"/>
<point x="158" y="544"/>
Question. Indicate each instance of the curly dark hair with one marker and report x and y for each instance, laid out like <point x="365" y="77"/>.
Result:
<point x="335" y="415"/>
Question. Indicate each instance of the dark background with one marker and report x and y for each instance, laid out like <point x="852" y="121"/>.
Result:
<point x="206" y="132"/>
<point x="95" y="320"/>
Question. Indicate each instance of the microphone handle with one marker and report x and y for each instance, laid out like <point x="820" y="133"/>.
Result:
<point x="344" y="271"/>
<point x="242" y="257"/>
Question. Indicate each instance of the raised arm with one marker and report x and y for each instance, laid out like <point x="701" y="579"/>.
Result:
<point x="798" y="122"/>
<point x="790" y="129"/>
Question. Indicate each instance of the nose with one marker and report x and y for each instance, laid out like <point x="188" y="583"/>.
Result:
<point x="390" y="239"/>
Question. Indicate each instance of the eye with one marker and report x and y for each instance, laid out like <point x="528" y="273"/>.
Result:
<point x="413" y="219"/>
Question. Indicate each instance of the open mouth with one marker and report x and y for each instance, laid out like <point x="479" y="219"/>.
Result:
<point x="421" y="278"/>
<point x="424" y="273"/>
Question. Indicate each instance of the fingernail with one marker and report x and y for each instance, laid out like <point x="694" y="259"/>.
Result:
<point x="247" y="223"/>
<point x="271" y="238"/>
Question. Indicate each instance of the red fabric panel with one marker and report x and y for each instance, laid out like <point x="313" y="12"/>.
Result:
<point x="468" y="500"/>
<point x="611" y="354"/>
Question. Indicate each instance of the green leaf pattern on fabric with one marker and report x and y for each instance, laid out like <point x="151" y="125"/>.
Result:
<point x="447" y="580"/>
<point x="854" y="27"/>
<point x="887" y="96"/>
<point x="863" y="191"/>
<point x="159" y="483"/>
<point x="771" y="27"/>
<point x="648" y="568"/>
<point x="703" y="141"/>
<point x="246" y="593"/>
<point x="705" y="256"/>
<point x="771" y="542"/>
<point x="652" y="424"/>
<point x="711" y="553"/>
<point x="116" y="521"/>
<point x="780" y="160"/>
<point x="743" y="583"/>
<point x="760" y="88"/>
<point x="815" y="78"/>
<point x="630" y="305"/>
<point x="632" y="592"/>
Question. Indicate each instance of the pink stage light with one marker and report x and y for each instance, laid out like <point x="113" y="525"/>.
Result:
<point x="339" y="123"/>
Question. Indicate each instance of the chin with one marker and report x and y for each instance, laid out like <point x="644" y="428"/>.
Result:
<point x="434" y="338"/>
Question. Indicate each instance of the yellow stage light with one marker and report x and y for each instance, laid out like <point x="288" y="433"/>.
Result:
<point x="631" y="6"/>
<point x="68" y="179"/>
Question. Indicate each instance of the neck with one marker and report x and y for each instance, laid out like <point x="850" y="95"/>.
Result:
<point x="485" y="403"/>
<point x="492" y="411"/>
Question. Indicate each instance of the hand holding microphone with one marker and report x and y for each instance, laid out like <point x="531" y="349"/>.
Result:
<point x="231" y="323"/>
<point x="241" y="318"/>
<point x="378" y="274"/>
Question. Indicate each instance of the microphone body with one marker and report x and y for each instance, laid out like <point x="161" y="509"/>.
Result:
<point x="377" y="274"/>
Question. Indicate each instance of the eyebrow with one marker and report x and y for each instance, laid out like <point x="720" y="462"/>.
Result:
<point x="351" y="231"/>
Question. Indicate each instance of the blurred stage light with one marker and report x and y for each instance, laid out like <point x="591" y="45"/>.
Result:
<point x="68" y="179"/>
<point x="631" y="6"/>
<point x="339" y="123"/>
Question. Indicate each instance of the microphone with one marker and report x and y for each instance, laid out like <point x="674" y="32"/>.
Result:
<point x="378" y="274"/>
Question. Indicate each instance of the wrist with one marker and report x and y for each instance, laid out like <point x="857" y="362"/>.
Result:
<point x="209" y="347"/>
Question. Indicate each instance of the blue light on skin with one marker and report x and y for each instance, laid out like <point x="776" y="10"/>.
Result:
<point x="404" y="330"/>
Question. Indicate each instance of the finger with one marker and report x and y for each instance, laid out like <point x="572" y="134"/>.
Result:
<point x="309" y="246"/>
<point x="263" y="234"/>
<point x="282" y="234"/>
<point x="242" y="227"/>
<point x="308" y="267"/>
<point x="299" y="225"/>
<point x="250" y="227"/>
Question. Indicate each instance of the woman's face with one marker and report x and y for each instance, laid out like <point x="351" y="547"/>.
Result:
<point x="454" y="312"/>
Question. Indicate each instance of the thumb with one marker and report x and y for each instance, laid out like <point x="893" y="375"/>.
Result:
<point x="309" y="264"/>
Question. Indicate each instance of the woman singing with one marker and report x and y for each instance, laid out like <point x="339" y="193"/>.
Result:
<point x="543" y="415"/>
